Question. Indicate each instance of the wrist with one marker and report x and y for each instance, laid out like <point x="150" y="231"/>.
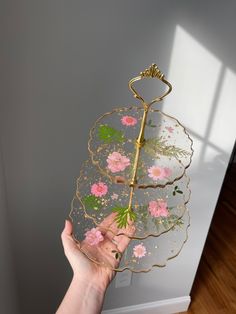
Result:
<point x="90" y="285"/>
<point x="90" y="295"/>
<point x="82" y="297"/>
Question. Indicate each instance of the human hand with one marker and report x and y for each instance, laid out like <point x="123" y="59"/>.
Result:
<point x="83" y="268"/>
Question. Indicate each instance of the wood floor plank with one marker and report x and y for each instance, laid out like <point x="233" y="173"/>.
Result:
<point x="214" y="289"/>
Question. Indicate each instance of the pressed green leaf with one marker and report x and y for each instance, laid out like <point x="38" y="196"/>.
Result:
<point x="149" y="123"/>
<point x="180" y="222"/>
<point x="91" y="202"/>
<point x="108" y="134"/>
<point x="165" y="223"/>
<point x="172" y="218"/>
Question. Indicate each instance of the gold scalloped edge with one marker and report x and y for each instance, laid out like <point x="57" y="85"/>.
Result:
<point x="112" y="178"/>
<point x="141" y="270"/>
<point x="86" y="215"/>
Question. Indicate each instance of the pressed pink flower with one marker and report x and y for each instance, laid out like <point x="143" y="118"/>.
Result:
<point x="117" y="162"/>
<point x="158" y="208"/>
<point x="139" y="250"/>
<point x="93" y="236"/>
<point x="128" y="120"/>
<point x="169" y="129"/>
<point x="114" y="196"/>
<point x="156" y="173"/>
<point x="99" y="189"/>
<point x="168" y="172"/>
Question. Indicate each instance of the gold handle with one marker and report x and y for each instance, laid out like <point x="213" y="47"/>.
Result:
<point x="152" y="72"/>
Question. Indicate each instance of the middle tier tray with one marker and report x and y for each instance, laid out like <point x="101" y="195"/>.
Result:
<point x="156" y="210"/>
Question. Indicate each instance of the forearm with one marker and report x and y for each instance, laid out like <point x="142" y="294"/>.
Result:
<point x="82" y="297"/>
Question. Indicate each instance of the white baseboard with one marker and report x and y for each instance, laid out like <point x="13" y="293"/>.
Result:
<point x="168" y="306"/>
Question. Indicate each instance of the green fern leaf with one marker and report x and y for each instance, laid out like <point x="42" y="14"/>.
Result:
<point x="157" y="146"/>
<point x="123" y="214"/>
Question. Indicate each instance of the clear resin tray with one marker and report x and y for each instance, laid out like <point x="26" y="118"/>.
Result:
<point x="156" y="210"/>
<point x="119" y="252"/>
<point x="164" y="155"/>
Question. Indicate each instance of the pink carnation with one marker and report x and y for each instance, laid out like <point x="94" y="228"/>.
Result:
<point x="99" y="189"/>
<point x="158" y="208"/>
<point x="93" y="236"/>
<point x="139" y="250"/>
<point x="117" y="162"/>
<point x="128" y="120"/>
<point x="156" y="172"/>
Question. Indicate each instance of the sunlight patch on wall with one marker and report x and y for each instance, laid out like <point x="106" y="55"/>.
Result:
<point x="196" y="75"/>
<point x="226" y="106"/>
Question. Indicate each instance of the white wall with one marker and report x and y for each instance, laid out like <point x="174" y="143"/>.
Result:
<point x="66" y="63"/>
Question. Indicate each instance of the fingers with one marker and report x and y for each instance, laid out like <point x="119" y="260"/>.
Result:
<point x="111" y="233"/>
<point x="106" y="224"/>
<point x="129" y="230"/>
<point x="122" y="242"/>
<point x="110" y="225"/>
<point x="107" y="221"/>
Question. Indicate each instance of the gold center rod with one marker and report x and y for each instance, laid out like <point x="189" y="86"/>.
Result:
<point x="139" y="143"/>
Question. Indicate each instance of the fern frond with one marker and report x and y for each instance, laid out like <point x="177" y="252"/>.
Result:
<point x="123" y="215"/>
<point x="157" y="146"/>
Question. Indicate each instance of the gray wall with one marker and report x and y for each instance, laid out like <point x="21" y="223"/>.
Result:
<point x="67" y="62"/>
<point x="8" y="291"/>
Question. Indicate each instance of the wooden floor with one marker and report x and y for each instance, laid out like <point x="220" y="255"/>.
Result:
<point x="214" y="289"/>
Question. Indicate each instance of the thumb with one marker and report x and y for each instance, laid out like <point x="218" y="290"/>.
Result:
<point x="66" y="236"/>
<point x="68" y="228"/>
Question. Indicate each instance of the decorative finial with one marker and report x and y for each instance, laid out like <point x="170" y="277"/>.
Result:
<point x="152" y="71"/>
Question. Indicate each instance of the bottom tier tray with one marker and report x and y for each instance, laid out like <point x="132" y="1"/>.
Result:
<point x="103" y="246"/>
